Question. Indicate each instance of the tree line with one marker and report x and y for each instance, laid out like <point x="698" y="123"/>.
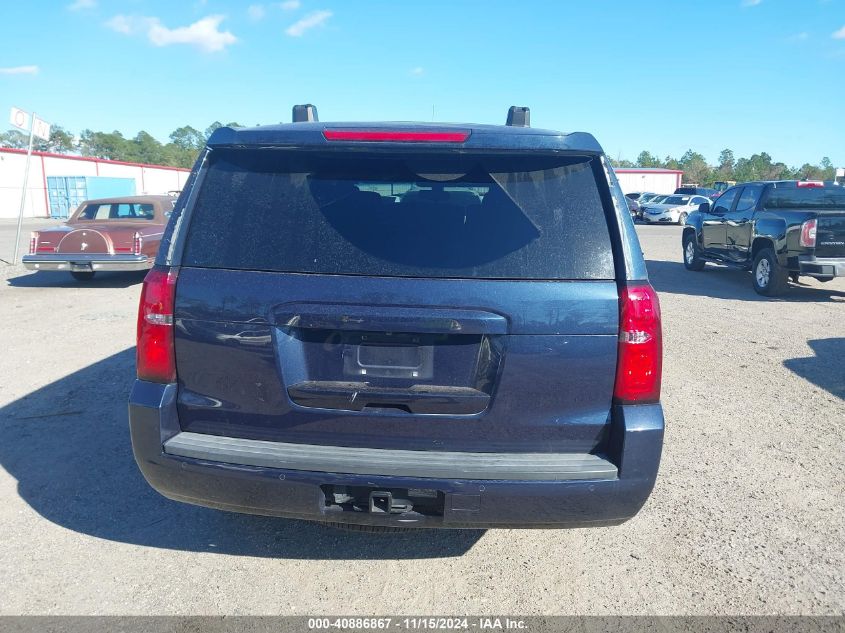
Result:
<point x="181" y="150"/>
<point x="756" y="167"/>
<point x="186" y="142"/>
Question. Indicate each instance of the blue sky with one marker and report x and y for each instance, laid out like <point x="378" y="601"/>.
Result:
<point x="667" y="75"/>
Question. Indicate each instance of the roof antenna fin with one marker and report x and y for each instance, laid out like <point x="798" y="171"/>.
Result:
<point x="519" y="116"/>
<point x="304" y="112"/>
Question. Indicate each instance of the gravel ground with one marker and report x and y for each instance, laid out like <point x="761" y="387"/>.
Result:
<point x="746" y="518"/>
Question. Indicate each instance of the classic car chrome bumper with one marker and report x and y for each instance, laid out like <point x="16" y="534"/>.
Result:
<point x="86" y="262"/>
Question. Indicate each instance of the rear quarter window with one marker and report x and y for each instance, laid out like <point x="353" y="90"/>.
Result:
<point x="118" y="211"/>
<point x="455" y="216"/>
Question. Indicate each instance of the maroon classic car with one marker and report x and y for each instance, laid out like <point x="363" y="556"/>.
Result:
<point x="107" y="234"/>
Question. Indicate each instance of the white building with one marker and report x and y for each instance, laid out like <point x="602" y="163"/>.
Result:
<point x="651" y="179"/>
<point x="58" y="183"/>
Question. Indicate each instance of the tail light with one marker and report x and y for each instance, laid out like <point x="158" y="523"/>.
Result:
<point x="137" y="243"/>
<point x="155" y="355"/>
<point x="808" y="233"/>
<point x="33" y="242"/>
<point x="639" y="367"/>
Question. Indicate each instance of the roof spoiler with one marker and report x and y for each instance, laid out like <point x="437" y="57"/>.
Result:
<point x="304" y="112"/>
<point x="519" y="116"/>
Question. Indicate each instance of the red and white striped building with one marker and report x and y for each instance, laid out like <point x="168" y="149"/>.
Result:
<point x="149" y="179"/>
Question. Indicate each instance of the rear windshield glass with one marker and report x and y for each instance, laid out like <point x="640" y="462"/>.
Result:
<point x="806" y="197"/>
<point x="676" y="200"/>
<point x="118" y="211"/>
<point x="401" y="215"/>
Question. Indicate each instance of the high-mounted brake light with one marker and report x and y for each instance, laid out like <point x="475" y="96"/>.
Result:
<point x="155" y="354"/>
<point x="639" y="366"/>
<point x="811" y="184"/>
<point x="808" y="234"/>
<point x="137" y="243"/>
<point x="396" y="136"/>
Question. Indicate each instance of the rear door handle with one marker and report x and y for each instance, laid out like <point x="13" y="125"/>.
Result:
<point x="387" y="319"/>
<point x="419" y="399"/>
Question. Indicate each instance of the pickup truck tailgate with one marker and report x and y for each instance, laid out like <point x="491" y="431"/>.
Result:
<point x="830" y="235"/>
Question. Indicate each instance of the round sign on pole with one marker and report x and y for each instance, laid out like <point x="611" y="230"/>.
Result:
<point x="19" y="118"/>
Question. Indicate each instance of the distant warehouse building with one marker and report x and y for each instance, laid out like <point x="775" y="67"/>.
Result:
<point x="652" y="179"/>
<point x="58" y="183"/>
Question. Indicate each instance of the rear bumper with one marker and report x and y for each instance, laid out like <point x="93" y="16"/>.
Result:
<point x="86" y="262"/>
<point x="822" y="266"/>
<point x="288" y="480"/>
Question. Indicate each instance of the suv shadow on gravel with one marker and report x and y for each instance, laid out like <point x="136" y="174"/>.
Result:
<point x="824" y="369"/>
<point x="67" y="445"/>
<point x="728" y="283"/>
<point x="61" y="280"/>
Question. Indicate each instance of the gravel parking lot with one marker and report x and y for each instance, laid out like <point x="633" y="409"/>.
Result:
<point x="747" y="516"/>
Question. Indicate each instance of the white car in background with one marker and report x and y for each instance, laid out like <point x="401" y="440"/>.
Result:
<point x="674" y="209"/>
<point x="645" y="198"/>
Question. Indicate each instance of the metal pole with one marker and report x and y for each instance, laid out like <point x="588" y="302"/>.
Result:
<point x="23" y="193"/>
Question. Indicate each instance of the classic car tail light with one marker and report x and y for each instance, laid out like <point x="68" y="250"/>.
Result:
<point x="639" y="366"/>
<point x="137" y="243"/>
<point x="400" y="136"/>
<point x="33" y="242"/>
<point x="808" y="234"/>
<point x="155" y="354"/>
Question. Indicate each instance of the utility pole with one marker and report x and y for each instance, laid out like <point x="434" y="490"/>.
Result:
<point x="36" y="127"/>
<point x="23" y="193"/>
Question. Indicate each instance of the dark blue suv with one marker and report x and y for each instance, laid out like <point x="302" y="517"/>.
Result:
<point x="406" y="325"/>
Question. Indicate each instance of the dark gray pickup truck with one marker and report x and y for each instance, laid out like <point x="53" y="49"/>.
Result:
<point x="779" y="230"/>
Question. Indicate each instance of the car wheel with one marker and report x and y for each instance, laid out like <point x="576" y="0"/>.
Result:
<point x="682" y="219"/>
<point x="769" y="277"/>
<point x="82" y="275"/>
<point x="692" y="256"/>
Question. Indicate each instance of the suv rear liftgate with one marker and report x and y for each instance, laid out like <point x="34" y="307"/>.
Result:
<point x="378" y="330"/>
